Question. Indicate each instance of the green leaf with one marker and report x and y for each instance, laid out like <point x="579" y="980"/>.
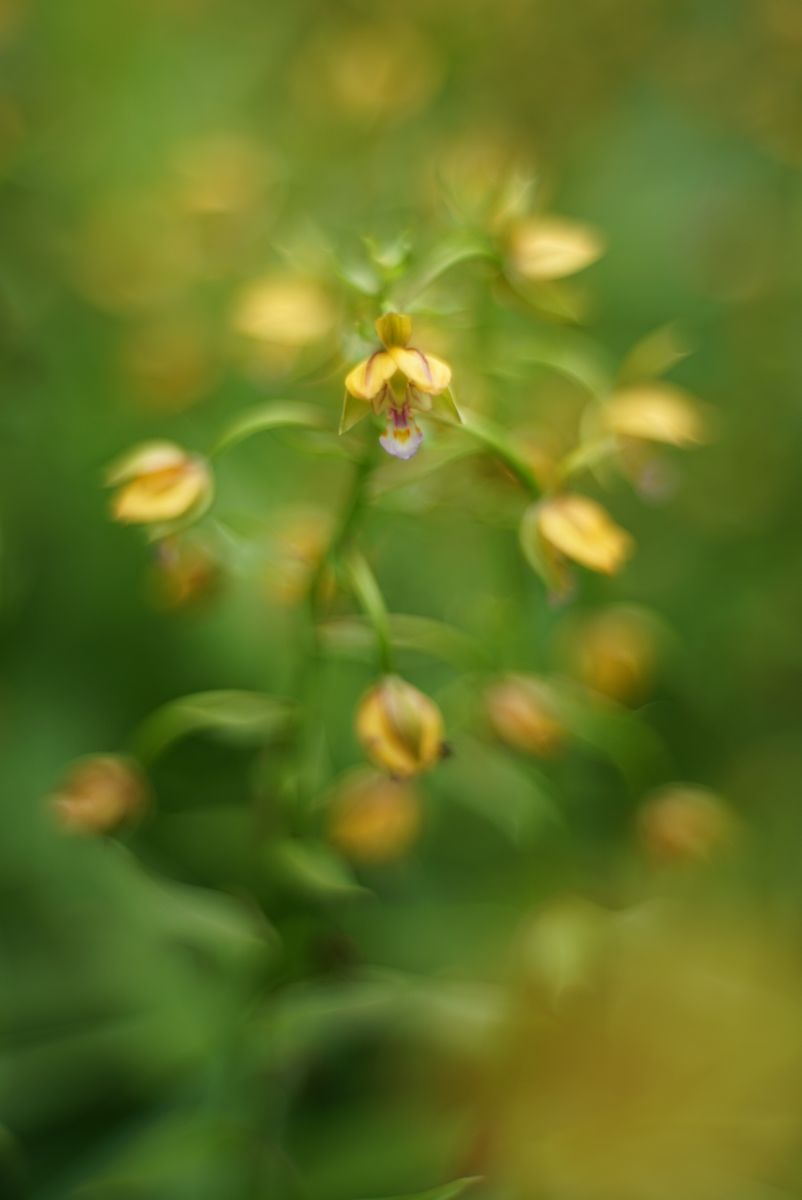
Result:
<point x="446" y="1191"/>
<point x="460" y="248"/>
<point x="617" y="734"/>
<point x="310" y="1017"/>
<point x="312" y="868"/>
<point x="352" y="637"/>
<point x="494" y="438"/>
<point x="511" y="795"/>
<point x="653" y="355"/>
<point x="267" y="417"/>
<point x="239" y="717"/>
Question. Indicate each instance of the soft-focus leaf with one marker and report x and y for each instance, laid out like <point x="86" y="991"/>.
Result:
<point x="267" y="417"/>
<point x="447" y="1191"/>
<point x="352" y="636"/>
<point x="247" y="718"/>
<point x="654" y="354"/>
<point x="313" y="869"/>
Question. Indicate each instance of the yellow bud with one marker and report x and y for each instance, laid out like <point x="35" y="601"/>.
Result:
<point x="615" y="653"/>
<point x="522" y="713"/>
<point x="400" y="729"/>
<point x="656" y="412"/>
<point x="394" y="329"/>
<point x="580" y="529"/>
<point x="543" y="248"/>
<point x="373" y="818"/>
<point x="682" y="823"/>
<point x="99" y="794"/>
<point x="158" y="482"/>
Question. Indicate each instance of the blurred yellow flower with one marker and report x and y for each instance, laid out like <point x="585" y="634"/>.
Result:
<point x="541" y="248"/>
<point x="656" y="412"/>
<point x="369" y="72"/>
<point x="400" y="729"/>
<point x="614" y="652"/>
<point x="578" y="528"/>
<point x="672" y="1071"/>
<point x="223" y="172"/>
<point x="373" y="818"/>
<point x="522" y="713"/>
<point x="684" y="823"/>
<point x="399" y="380"/>
<point x="159" y="482"/>
<point x="99" y="794"/>
<point x="280" y="315"/>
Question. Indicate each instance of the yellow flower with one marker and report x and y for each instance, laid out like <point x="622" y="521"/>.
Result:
<point x="99" y="794"/>
<point x="158" y="482"/>
<point x="551" y="247"/>
<point x="578" y="528"/>
<point x="400" y="729"/>
<point x="682" y="823"/>
<point x="521" y="711"/>
<point x="656" y="412"/>
<point x="374" y="819"/>
<point x="399" y="380"/>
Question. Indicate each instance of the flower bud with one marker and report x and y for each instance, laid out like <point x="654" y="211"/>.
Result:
<point x="682" y="823"/>
<point x="656" y="412"/>
<point x="522" y="713"/>
<point x="394" y="329"/>
<point x="615" y="652"/>
<point x="158" y="482"/>
<point x="580" y="529"/>
<point x="99" y="794"/>
<point x="550" y="247"/>
<point x="374" y="819"/>
<point x="400" y="729"/>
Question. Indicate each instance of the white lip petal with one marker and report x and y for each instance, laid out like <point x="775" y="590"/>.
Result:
<point x="399" y="446"/>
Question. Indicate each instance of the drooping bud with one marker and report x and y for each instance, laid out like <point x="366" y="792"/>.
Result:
<point x="683" y="823"/>
<point x="522" y="713"/>
<point x="374" y="819"/>
<point x="99" y="794"/>
<point x="159" y="482"/>
<point x="401" y="729"/>
<point x="580" y="529"/>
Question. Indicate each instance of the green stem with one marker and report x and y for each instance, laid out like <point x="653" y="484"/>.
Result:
<point x="369" y="594"/>
<point x="493" y="438"/>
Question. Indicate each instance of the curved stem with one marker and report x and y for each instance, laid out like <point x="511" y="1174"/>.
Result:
<point x="493" y="438"/>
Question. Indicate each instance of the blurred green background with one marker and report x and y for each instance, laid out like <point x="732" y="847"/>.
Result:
<point x="180" y="1018"/>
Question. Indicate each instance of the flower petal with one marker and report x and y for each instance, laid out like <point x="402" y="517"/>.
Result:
<point x="163" y="495"/>
<point x="401" y="441"/>
<point x="424" y="371"/>
<point x="582" y="530"/>
<point x="369" y="377"/>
